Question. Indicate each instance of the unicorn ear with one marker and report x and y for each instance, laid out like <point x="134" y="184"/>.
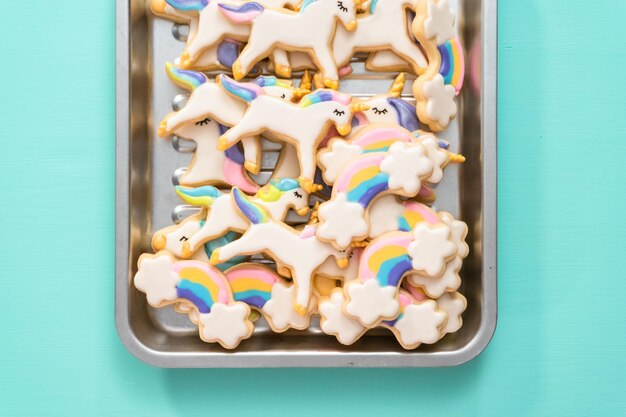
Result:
<point x="397" y="86"/>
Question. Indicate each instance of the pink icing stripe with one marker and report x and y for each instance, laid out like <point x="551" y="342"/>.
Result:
<point x="417" y="293"/>
<point x="234" y="175"/>
<point x="215" y="275"/>
<point x="397" y="239"/>
<point x="240" y="17"/>
<point x="383" y="134"/>
<point x="264" y="275"/>
<point x="343" y="182"/>
<point x="429" y="215"/>
<point x="405" y="299"/>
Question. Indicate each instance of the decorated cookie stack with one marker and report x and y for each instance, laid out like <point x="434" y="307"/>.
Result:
<point x="372" y="251"/>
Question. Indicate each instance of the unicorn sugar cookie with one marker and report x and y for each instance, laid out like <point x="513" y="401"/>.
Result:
<point x="429" y="250"/>
<point x="209" y="102"/>
<point x="300" y="251"/>
<point x="302" y="125"/>
<point x="276" y="198"/>
<point x="383" y="28"/>
<point x="436" y="88"/>
<point x="166" y="281"/>
<point x="311" y="29"/>
<point x="418" y="320"/>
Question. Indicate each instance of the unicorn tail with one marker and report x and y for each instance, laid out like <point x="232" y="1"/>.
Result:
<point x="256" y="213"/>
<point x="189" y="80"/>
<point x="234" y="167"/>
<point x="188" y="5"/>
<point x="245" y="13"/>
<point x="244" y="91"/>
<point x="198" y="196"/>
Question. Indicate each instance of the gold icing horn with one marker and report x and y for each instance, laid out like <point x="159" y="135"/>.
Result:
<point x="357" y="107"/>
<point x="305" y="86"/>
<point x="313" y="218"/>
<point x="397" y="86"/>
<point x="317" y="81"/>
<point x="457" y="158"/>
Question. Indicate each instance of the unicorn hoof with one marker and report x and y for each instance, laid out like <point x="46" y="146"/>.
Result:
<point x="301" y="310"/>
<point x="303" y="211"/>
<point x="158" y="7"/>
<point x="215" y="257"/>
<point x="344" y="129"/>
<point x="186" y="250"/>
<point x="162" y="132"/>
<point x="158" y="241"/>
<point x="334" y="84"/>
<point x="283" y="71"/>
<point x="223" y="143"/>
<point x="252" y="167"/>
<point x="306" y="183"/>
<point x="343" y="263"/>
<point x="237" y="70"/>
<point x="185" y="60"/>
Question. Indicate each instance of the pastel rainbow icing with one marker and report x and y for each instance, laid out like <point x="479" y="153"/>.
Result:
<point x="386" y="259"/>
<point x="452" y="63"/>
<point x="188" y="5"/>
<point x="270" y="81"/>
<point x="189" y="80"/>
<point x="245" y="91"/>
<point x="251" y="284"/>
<point x="362" y="180"/>
<point x="201" y="284"/>
<point x="379" y="140"/>
<point x="254" y="212"/>
<point x="320" y="96"/>
<point x="199" y="196"/>
<point x="241" y="13"/>
<point x="416" y="213"/>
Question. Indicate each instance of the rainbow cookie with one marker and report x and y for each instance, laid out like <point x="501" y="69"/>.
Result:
<point x="299" y="251"/>
<point x="428" y="250"/>
<point x="307" y="123"/>
<point x="166" y="281"/>
<point x="276" y="197"/>
<point x="311" y="29"/>
<point x="436" y="88"/>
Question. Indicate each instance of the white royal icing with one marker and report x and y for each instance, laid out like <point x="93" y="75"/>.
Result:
<point x="448" y="281"/>
<point x="431" y="248"/>
<point x="341" y="221"/>
<point x="420" y="323"/>
<point x="406" y="164"/>
<point x="333" y="160"/>
<point x="439" y="157"/>
<point x="440" y="104"/>
<point x="226" y="324"/>
<point x="458" y="232"/>
<point x="279" y="309"/>
<point x="454" y="304"/>
<point x="384" y="214"/>
<point x="335" y="322"/>
<point x="439" y="22"/>
<point x="368" y="301"/>
<point x="156" y="279"/>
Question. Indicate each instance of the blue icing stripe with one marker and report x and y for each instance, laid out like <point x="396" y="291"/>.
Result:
<point x="254" y="298"/>
<point x="204" y="191"/>
<point x="403" y="224"/>
<point x="196" y="293"/>
<point x="392" y="270"/>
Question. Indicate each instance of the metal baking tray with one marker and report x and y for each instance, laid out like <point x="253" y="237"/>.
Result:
<point x="147" y="166"/>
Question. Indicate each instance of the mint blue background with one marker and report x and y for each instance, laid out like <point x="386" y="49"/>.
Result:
<point x="561" y="340"/>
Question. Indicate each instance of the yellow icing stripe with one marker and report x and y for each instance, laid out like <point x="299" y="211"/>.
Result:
<point x="246" y="284"/>
<point x="363" y="175"/>
<point x="384" y="254"/>
<point x="412" y="218"/>
<point x="200" y="277"/>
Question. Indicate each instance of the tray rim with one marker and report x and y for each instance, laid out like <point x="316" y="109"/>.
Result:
<point x="293" y="359"/>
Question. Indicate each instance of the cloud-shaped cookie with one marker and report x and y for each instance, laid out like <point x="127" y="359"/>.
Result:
<point x="335" y="322"/>
<point x="280" y="311"/>
<point x="406" y="164"/>
<point x="369" y="302"/>
<point x="342" y="220"/>
<point x="440" y="105"/>
<point x="226" y="324"/>
<point x="334" y="160"/>
<point x="156" y="278"/>
<point x="431" y="248"/>
<point x="420" y="324"/>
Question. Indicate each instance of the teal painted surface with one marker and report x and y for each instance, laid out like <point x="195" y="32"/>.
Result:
<point x="560" y="345"/>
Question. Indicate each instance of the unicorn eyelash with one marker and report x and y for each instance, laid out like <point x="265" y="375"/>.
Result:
<point x="341" y="6"/>
<point x="378" y="111"/>
<point x="203" y="122"/>
<point x="283" y="95"/>
<point x="338" y="112"/>
<point x="297" y="194"/>
<point x="183" y="239"/>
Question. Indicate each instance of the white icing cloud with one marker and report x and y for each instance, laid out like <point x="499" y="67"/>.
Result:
<point x="384" y="214"/>
<point x="420" y="324"/>
<point x="342" y="221"/>
<point x="439" y="22"/>
<point x="438" y="157"/>
<point x="406" y="164"/>
<point x="458" y="232"/>
<point x="440" y="105"/>
<point x="334" y="322"/>
<point x="454" y="304"/>
<point x="334" y="160"/>
<point x="369" y="302"/>
<point x="280" y="309"/>
<point x="448" y="281"/>
<point x="156" y="278"/>
<point x="431" y="248"/>
<point x="226" y="324"/>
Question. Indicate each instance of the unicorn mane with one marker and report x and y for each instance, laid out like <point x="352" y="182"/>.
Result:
<point x="373" y="4"/>
<point x="305" y="4"/>
<point x="271" y="81"/>
<point x="407" y="115"/>
<point x="322" y="95"/>
<point x="188" y="5"/>
<point x="189" y="80"/>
